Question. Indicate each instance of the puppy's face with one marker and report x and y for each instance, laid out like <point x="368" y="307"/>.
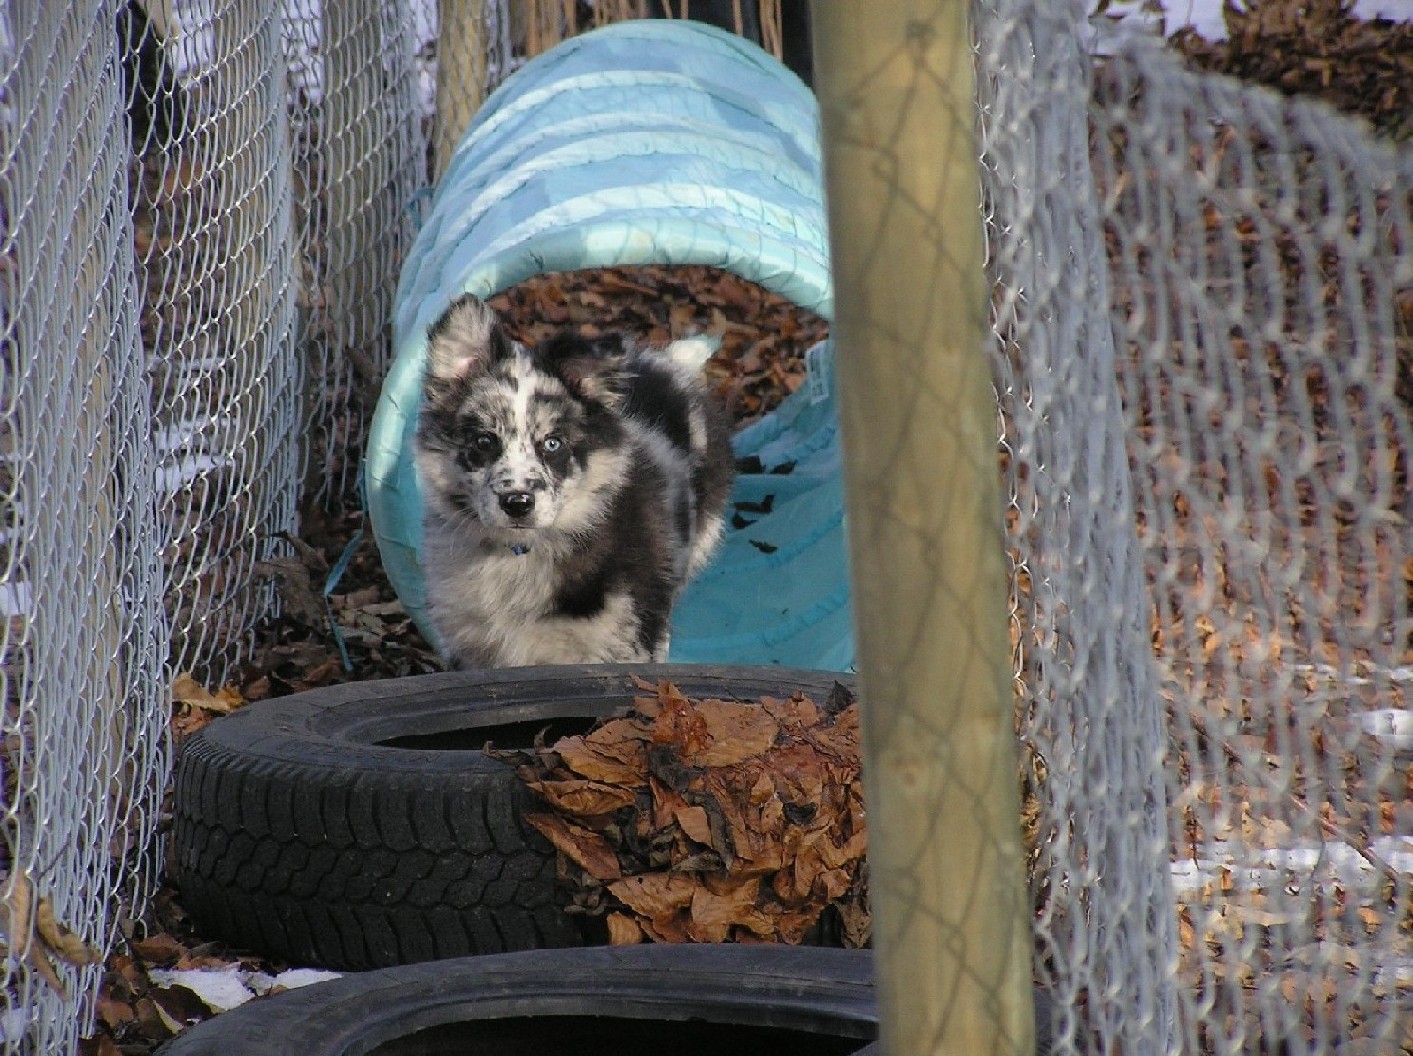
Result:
<point x="510" y="438"/>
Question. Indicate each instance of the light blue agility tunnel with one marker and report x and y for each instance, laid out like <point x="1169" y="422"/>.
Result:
<point x="648" y="142"/>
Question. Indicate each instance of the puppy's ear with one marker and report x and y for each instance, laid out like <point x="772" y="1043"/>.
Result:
<point x="590" y="367"/>
<point x="466" y="340"/>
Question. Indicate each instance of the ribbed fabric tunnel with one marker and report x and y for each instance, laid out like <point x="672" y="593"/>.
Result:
<point x="648" y="142"/>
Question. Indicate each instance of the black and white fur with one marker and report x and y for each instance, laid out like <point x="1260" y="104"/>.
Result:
<point x="570" y="490"/>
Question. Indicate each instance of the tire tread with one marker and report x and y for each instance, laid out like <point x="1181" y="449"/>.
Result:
<point x="292" y="839"/>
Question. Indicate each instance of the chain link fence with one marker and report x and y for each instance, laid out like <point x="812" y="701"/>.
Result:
<point x="1260" y="276"/>
<point x="1090" y="714"/>
<point x="83" y="642"/>
<point x="1203" y="360"/>
<point x="213" y="189"/>
<point x="1201" y="310"/>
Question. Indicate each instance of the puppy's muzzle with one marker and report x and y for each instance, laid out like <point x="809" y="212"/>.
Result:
<point x="517" y="504"/>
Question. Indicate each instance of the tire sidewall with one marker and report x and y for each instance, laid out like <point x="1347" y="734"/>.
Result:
<point x="298" y="834"/>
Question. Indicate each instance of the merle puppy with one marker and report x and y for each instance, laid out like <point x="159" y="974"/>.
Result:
<point x="570" y="490"/>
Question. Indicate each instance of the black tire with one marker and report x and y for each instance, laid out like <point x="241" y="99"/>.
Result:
<point x="361" y="826"/>
<point x="623" y="1001"/>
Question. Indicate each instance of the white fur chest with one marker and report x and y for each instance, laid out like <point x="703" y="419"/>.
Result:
<point x="493" y="607"/>
<point x="486" y="590"/>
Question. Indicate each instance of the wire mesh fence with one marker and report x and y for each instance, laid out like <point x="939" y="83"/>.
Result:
<point x="1200" y="305"/>
<point x="82" y="643"/>
<point x="360" y="158"/>
<point x="1260" y="378"/>
<point x="1090" y="715"/>
<point x="1204" y="411"/>
<point x="213" y="206"/>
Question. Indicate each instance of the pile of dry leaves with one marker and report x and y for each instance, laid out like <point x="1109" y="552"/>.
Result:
<point x="1317" y="48"/>
<point x="710" y="820"/>
<point x="763" y="337"/>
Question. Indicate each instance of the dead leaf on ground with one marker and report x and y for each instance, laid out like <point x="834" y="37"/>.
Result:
<point x="585" y="848"/>
<point x="623" y="930"/>
<point x="186" y="690"/>
<point x="31" y="933"/>
<point x="614" y="754"/>
<point x="709" y="820"/>
<point x="735" y="732"/>
<point x="586" y="799"/>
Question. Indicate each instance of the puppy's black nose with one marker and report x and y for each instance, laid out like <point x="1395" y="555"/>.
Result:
<point x="517" y="503"/>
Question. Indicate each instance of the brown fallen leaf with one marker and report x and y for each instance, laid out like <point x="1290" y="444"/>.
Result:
<point x="114" y="1013"/>
<point x="612" y="754"/>
<point x="300" y="598"/>
<point x="31" y="933"/>
<point x="803" y="776"/>
<point x="64" y="944"/>
<point x="161" y="948"/>
<point x="695" y="823"/>
<point x="734" y="732"/>
<point x="623" y="930"/>
<point x="665" y="929"/>
<point x="751" y="825"/>
<point x="718" y="908"/>
<point x="647" y="707"/>
<point x="679" y="726"/>
<point x="792" y="926"/>
<point x="842" y="739"/>
<point x="186" y="690"/>
<point x="154" y="1021"/>
<point x="667" y="802"/>
<point x="655" y="895"/>
<point x="585" y="799"/>
<point x="587" y="849"/>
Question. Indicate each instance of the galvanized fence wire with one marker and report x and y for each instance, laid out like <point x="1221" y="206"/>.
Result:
<point x="213" y="204"/>
<point x="1205" y="395"/>
<point x="1273" y="449"/>
<point x="82" y="644"/>
<point x="358" y="109"/>
<point x="1089" y="709"/>
<point x="152" y="412"/>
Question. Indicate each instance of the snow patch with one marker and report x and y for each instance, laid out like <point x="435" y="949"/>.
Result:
<point x="1266" y="869"/>
<point x="1125" y="19"/>
<point x="222" y="989"/>
<point x="174" y="475"/>
<point x="1397" y="851"/>
<point x="1393" y="726"/>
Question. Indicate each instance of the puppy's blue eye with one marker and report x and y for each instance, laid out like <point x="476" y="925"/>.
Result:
<point x="550" y="444"/>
